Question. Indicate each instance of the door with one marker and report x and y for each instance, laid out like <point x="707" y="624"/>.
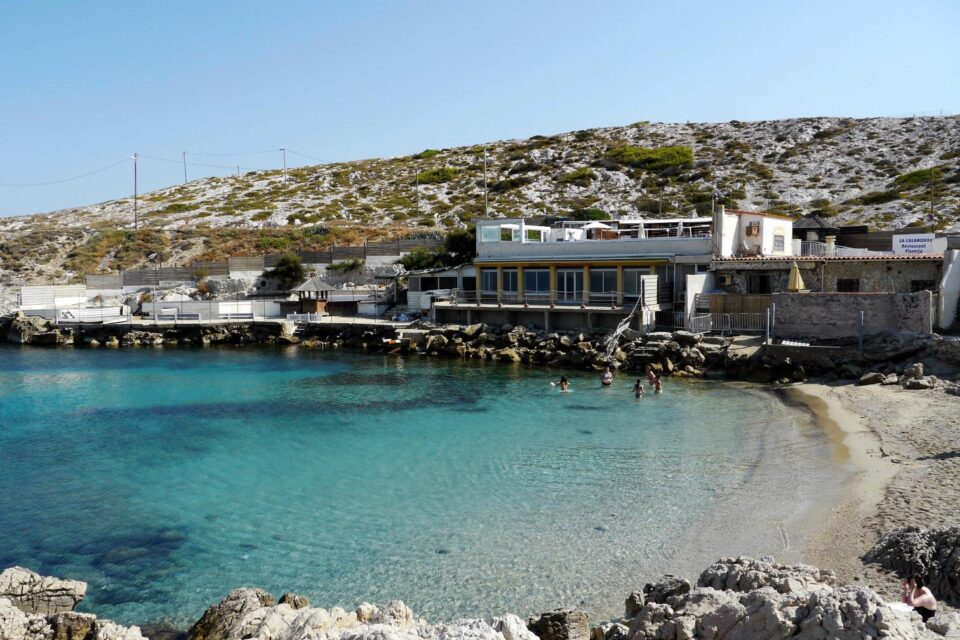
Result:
<point x="569" y="286"/>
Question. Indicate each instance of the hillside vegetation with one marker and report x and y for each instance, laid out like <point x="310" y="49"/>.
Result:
<point x="884" y="172"/>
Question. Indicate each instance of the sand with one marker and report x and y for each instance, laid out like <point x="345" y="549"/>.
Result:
<point x="904" y="447"/>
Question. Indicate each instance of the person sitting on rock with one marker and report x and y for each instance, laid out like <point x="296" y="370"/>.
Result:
<point x="917" y="595"/>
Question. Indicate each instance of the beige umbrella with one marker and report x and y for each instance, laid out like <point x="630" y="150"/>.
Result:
<point x="796" y="282"/>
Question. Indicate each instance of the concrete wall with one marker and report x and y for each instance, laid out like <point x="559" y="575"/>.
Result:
<point x="837" y="315"/>
<point x="634" y="249"/>
<point x="949" y="288"/>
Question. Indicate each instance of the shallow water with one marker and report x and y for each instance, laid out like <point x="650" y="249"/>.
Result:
<point x="165" y="478"/>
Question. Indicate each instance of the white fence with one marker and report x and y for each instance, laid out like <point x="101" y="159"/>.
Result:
<point x="211" y="309"/>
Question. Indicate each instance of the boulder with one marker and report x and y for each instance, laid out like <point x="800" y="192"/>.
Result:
<point x="71" y="625"/>
<point x="918" y="383"/>
<point x="507" y="355"/>
<point x="931" y="553"/>
<point x="669" y="589"/>
<point x="25" y="329"/>
<point x="946" y="625"/>
<point x="560" y="624"/>
<point x="512" y="628"/>
<point x="236" y="616"/>
<point x="874" y="377"/>
<point x="295" y="601"/>
<point x="914" y="370"/>
<point x="471" y="331"/>
<point x="686" y="338"/>
<point x="890" y="378"/>
<point x="747" y="574"/>
<point x="633" y="604"/>
<point x="33" y="593"/>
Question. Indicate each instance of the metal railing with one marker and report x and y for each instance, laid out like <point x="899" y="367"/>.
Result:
<point x="824" y="250"/>
<point x="739" y="323"/>
<point x="561" y="298"/>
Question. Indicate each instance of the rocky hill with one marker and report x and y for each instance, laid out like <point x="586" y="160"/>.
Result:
<point x="885" y="172"/>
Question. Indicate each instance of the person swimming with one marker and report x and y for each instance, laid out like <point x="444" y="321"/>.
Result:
<point x="606" y="378"/>
<point x="564" y="384"/>
<point x="638" y="389"/>
<point x="651" y="376"/>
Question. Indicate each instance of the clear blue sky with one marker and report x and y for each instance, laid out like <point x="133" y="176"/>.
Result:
<point x="86" y="84"/>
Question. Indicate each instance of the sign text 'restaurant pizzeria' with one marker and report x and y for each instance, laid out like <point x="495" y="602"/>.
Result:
<point x="913" y="243"/>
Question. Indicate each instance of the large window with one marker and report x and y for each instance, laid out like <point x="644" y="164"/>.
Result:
<point x="488" y="280"/>
<point x="509" y="282"/>
<point x="536" y="285"/>
<point x="633" y="284"/>
<point x="570" y="286"/>
<point x="603" y="285"/>
<point x="489" y="233"/>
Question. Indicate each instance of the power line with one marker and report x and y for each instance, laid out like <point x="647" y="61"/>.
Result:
<point x="303" y="155"/>
<point x="192" y="164"/>
<point x="82" y="175"/>
<point x="224" y="155"/>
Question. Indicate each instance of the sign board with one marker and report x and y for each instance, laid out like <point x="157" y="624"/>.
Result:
<point x="913" y="243"/>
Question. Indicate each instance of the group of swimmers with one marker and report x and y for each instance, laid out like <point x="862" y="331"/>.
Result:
<point x="606" y="379"/>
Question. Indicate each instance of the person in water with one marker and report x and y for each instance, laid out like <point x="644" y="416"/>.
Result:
<point x="564" y="384"/>
<point x="638" y="389"/>
<point x="657" y="387"/>
<point x="917" y="595"/>
<point x="651" y="376"/>
<point x="606" y="378"/>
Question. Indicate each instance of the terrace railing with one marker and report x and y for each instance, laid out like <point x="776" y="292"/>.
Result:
<point x="824" y="250"/>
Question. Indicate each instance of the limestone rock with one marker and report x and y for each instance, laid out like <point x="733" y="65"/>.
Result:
<point x="294" y="600"/>
<point x="512" y="628"/>
<point x="914" y="370"/>
<point x="395" y="614"/>
<point x="946" y="625"/>
<point x="106" y="630"/>
<point x="561" y="624"/>
<point x="17" y="625"/>
<point x="668" y="590"/>
<point x="465" y="630"/>
<point x="33" y="593"/>
<point x="918" y="383"/>
<point x="931" y="553"/>
<point x="71" y="625"/>
<point x="366" y="612"/>
<point x="874" y="377"/>
<point x="747" y="574"/>
<point x="686" y="338"/>
<point x="236" y="616"/>
<point x="633" y="604"/>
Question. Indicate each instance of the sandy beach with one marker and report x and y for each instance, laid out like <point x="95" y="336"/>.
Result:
<point x="905" y="449"/>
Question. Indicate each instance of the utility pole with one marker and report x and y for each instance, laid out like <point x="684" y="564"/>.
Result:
<point x="484" y="181"/>
<point x="284" y="150"/>
<point x="238" y="171"/>
<point x="416" y="182"/>
<point x="184" y="167"/>
<point x="136" y="218"/>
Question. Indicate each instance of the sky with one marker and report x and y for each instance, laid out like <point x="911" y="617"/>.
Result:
<point x="86" y="84"/>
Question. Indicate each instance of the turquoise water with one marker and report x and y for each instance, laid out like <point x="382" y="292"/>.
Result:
<point x="165" y="478"/>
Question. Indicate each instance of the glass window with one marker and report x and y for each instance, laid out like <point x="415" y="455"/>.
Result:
<point x="489" y="233"/>
<point x="570" y="285"/>
<point x="536" y="280"/>
<point x="509" y="279"/>
<point x="778" y="243"/>
<point x="488" y="280"/>
<point x="603" y="280"/>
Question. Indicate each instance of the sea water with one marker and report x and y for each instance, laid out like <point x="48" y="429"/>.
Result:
<point x="165" y="478"/>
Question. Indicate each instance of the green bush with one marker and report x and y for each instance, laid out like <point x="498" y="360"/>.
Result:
<point x="422" y="259"/>
<point x="346" y="266"/>
<point x="426" y="153"/>
<point x="581" y="177"/>
<point x="288" y="271"/>
<point x="589" y="213"/>
<point x="879" y="197"/>
<point x="918" y="178"/>
<point x="436" y="176"/>
<point x="652" y="158"/>
<point x="510" y="183"/>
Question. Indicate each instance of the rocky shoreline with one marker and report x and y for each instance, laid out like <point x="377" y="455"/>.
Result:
<point x="733" y="598"/>
<point x="884" y="359"/>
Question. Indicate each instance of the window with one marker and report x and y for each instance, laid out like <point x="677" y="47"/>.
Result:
<point x="633" y="283"/>
<point x="759" y="283"/>
<point x="570" y="285"/>
<point x="603" y="285"/>
<point x="923" y="285"/>
<point x="778" y="243"/>
<point x="536" y="285"/>
<point x="447" y="282"/>
<point x="510" y="280"/>
<point x="490" y="233"/>
<point x="753" y="229"/>
<point x="488" y="280"/>
<point x="848" y="285"/>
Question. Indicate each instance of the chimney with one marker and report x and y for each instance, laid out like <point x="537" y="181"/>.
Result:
<point x="831" y="242"/>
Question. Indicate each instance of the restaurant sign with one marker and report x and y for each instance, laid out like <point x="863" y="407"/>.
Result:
<point x="913" y="243"/>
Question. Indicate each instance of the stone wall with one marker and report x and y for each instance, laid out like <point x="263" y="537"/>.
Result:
<point x="837" y="315"/>
<point x="822" y="276"/>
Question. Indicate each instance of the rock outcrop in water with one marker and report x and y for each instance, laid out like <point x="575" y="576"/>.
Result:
<point x="933" y="554"/>
<point x="35" y="607"/>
